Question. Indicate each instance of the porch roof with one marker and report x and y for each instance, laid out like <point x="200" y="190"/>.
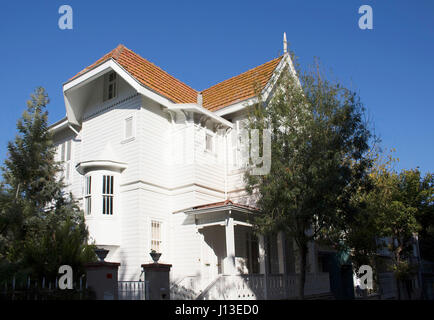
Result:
<point x="221" y="206"/>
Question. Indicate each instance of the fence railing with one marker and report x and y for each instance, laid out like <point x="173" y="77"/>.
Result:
<point x="387" y="284"/>
<point x="132" y="290"/>
<point x="28" y="288"/>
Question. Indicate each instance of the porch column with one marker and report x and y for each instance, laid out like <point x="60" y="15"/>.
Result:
<point x="261" y="245"/>
<point x="229" y="262"/>
<point x="312" y="258"/>
<point x="263" y="262"/>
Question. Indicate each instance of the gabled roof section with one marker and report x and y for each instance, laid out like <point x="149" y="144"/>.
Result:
<point x="223" y="94"/>
<point x="148" y="75"/>
<point x="239" y="88"/>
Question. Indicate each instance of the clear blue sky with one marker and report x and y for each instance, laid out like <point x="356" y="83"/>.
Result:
<point x="204" y="42"/>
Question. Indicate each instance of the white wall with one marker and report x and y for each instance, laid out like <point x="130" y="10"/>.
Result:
<point x="168" y="169"/>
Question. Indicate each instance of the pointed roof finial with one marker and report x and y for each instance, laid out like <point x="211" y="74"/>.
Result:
<point x="285" y="43"/>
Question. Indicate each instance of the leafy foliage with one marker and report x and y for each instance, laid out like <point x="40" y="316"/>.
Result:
<point x="40" y="226"/>
<point x="319" y="147"/>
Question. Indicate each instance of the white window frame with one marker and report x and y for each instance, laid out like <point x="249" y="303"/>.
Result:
<point x="108" y="183"/>
<point x="87" y="195"/>
<point x="212" y="137"/>
<point x="133" y="129"/>
<point x="108" y="83"/>
<point x="65" y="156"/>
<point x="151" y="235"/>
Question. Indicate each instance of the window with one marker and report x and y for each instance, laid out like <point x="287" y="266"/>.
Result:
<point x="156" y="236"/>
<point x="111" y="86"/>
<point x="107" y="195"/>
<point x="62" y="152"/>
<point x="65" y="158"/>
<point x="68" y="161"/>
<point x="240" y="145"/>
<point x="128" y="127"/>
<point x="209" y="142"/>
<point x="234" y="145"/>
<point x="87" y="195"/>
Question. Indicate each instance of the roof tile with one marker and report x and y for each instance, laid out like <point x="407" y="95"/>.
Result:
<point x="230" y="91"/>
<point x="239" y="88"/>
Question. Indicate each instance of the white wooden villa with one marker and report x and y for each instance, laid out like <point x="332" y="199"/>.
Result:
<point x="152" y="163"/>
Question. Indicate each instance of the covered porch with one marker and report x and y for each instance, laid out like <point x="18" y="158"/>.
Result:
<point x="237" y="264"/>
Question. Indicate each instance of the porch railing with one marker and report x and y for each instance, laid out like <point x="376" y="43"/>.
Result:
<point x="251" y="287"/>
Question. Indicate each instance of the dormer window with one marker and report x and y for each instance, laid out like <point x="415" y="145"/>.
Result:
<point x="111" y="88"/>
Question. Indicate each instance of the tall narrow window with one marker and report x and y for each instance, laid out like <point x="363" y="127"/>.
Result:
<point x="68" y="161"/>
<point x="236" y="144"/>
<point x="65" y="158"/>
<point x="156" y="236"/>
<point x="111" y="86"/>
<point x="107" y="195"/>
<point x="128" y="127"/>
<point x="87" y="196"/>
<point x="209" y="142"/>
<point x="62" y="152"/>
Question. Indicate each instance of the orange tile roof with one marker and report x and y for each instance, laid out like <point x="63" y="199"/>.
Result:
<point x="230" y="91"/>
<point x="239" y="88"/>
<point x="149" y="75"/>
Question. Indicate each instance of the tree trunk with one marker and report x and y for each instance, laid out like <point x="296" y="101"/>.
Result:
<point x="303" y="262"/>
<point x="398" y="260"/>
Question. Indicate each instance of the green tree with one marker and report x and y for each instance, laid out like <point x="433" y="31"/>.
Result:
<point x="426" y="217"/>
<point x="399" y="203"/>
<point x="41" y="227"/>
<point x="319" y="145"/>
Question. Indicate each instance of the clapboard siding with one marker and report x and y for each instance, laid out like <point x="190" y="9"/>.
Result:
<point x="185" y="247"/>
<point x="131" y="254"/>
<point x="168" y="170"/>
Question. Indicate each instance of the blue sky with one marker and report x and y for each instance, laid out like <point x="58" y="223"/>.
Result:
<point x="204" y="42"/>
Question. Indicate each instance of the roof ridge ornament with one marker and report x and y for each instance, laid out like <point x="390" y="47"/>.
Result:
<point x="285" y="43"/>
